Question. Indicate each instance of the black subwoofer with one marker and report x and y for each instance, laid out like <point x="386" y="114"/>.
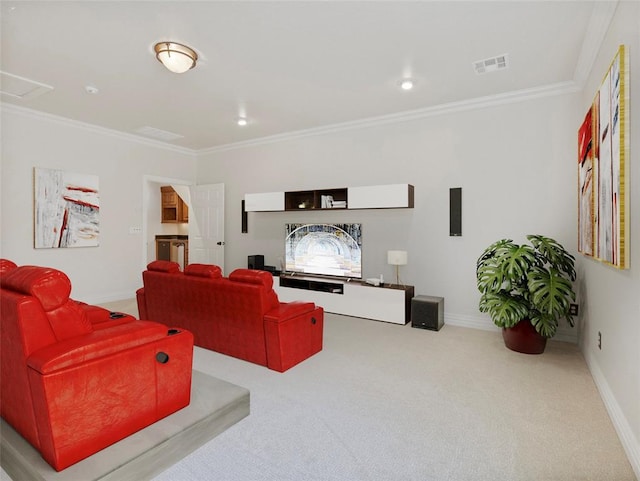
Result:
<point x="256" y="262"/>
<point x="427" y="312"/>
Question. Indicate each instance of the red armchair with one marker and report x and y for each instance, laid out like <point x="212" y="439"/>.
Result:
<point x="74" y="378"/>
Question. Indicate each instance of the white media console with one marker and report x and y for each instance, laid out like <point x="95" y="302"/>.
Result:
<point x="388" y="302"/>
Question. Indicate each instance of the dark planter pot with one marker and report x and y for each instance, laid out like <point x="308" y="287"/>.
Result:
<point x="524" y="338"/>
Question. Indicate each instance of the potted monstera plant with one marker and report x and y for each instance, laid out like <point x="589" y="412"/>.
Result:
<point x="526" y="289"/>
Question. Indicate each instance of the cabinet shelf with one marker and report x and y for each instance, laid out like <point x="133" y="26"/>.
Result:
<point x="316" y="199"/>
<point x="312" y="284"/>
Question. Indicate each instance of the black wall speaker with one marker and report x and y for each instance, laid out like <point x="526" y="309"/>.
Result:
<point x="244" y="219"/>
<point x="455" y="211"/>
<point x="256" y="262"/>
<point x="427" y="312"/>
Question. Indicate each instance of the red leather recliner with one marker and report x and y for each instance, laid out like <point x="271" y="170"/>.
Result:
<point x="74" y="379"/>
<point x="239" y="315"/>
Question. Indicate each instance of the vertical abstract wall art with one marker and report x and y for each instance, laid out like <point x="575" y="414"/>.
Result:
<point x="608" y="153"/>
<point x="585" y="185"/>
<point x="67" y="209"/>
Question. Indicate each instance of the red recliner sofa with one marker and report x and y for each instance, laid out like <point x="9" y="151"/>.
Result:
<point x="239" y="316"/>
<point x="75" y="378"/>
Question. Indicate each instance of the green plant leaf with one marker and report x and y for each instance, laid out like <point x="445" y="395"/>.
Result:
<point x="545" y="325"/>
<point x="505" y="310"/>
<point x="551" y="293"/>
<point x="517" y="262"/>
<point x="490" y="277"/>
<point x="489" y="272"/>
<point x="554" y="254"/>
<point x="494" y="251"/>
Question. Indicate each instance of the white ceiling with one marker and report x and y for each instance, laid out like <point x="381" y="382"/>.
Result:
<point x="286" y="65"/>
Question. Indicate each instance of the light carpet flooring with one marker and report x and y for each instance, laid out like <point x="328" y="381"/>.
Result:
<point x="389" y="402"/>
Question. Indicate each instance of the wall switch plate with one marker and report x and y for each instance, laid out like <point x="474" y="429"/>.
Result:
<point x="135" y="230"/>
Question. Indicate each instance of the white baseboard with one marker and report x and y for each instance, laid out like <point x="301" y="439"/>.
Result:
<point x="627" y="438"/>
<point x="564" y="333"/>
<point x="473" y="322"/>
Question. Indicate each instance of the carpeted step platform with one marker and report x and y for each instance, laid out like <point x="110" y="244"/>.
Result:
<point x="215" y="406"/>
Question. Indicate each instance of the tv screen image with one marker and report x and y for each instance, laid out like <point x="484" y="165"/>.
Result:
<point x="324" y="249"/>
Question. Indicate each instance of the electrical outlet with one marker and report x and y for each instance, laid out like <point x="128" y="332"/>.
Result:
<point x="573" y="309"/>
<point x="599" y="340"/>
<point x="135" y="230"/>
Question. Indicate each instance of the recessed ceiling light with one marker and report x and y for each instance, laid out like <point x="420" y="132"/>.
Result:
<point x="90" y="89"/>
<point x="406" y="84"/>
<point x="242" y="121"/>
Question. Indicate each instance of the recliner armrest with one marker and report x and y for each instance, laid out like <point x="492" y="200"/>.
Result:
<point x="287" y="310"/>
<point x="95" y="345"/>
<point x="101" y="318"/>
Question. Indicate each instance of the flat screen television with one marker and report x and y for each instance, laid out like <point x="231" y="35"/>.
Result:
<point x="324" y="249"/>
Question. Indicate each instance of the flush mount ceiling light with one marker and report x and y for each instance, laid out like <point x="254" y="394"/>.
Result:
<point x="176" y="57"/>
<point x="242" y="121"/>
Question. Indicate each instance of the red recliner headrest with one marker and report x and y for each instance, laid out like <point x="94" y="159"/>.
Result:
<point x="50" y="286"/>
<point x="203" y="270"/>
<point x="6" y="266"/>
<point x="251" y="276"/>
<point x="164" y="266"/>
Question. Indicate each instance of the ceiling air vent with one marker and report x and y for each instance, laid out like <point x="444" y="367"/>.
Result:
<point x="491" y="64"/>
<point x="158" y="134"/>
<point x="21" y="88"/>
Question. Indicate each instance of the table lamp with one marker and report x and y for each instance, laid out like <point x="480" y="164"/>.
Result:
<point x="397" y="258"/>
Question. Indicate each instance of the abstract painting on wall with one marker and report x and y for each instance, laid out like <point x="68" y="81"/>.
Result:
<point x="585" y="185"/>
<point x="603" y="149"/>
<point x="67" y="209"/>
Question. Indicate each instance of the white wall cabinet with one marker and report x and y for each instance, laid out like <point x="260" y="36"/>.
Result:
<point x="380" y="196"/>
<point x="264" y="202"/>
<point x="392" y="196"/>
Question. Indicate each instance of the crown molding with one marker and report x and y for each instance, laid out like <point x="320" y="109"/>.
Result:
<point x="443" y="109"/>
<point x="561" y="88"/>
<point x="38" y="115"/>
<point x="601" y="17"/>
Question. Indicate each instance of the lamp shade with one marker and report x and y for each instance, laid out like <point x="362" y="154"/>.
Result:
<point x="176" y="57"/>
<point x="397" y="258"/>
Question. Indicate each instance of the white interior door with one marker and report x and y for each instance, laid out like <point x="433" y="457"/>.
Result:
<point x="206" y="225"/>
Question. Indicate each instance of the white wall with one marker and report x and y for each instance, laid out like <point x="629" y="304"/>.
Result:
<point x="515" y="164"/>
<point x="98" y="274"/>
<point x="610" y="297"/>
